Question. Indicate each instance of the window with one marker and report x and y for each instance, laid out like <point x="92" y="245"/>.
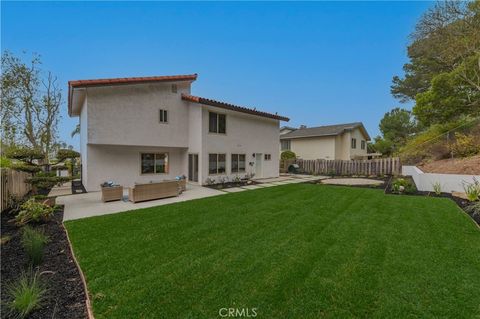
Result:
<point x="268" y="157"/>
<point x="363" y="144"/>
<point x="238" y="163"/>
<point x="217" y="123"/>
<point x="163" y="116"/>
<point x="216" y="163"/>
<point x="154" y="163"/>
<point x="174" y="88"/>
<point x="285" y="145"/>
<point x="354" y="143"/>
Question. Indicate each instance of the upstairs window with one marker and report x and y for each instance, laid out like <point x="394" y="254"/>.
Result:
<point x="217" y="123"/>
<point x="174" y="88"/>
<point x="363" y="144"/>
<point x="163" y="116"/>
<point x="285" y="145"/>
<point x="154" y="163"/>
<point x="238" y="163"/>
<point x="354" y="143"/>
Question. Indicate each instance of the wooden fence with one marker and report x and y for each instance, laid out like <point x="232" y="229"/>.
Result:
<point x="381" y="166"/>
<point x="12" y="184"/>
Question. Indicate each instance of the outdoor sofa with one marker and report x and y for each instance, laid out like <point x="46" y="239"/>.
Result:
<point x="150" y="191"/>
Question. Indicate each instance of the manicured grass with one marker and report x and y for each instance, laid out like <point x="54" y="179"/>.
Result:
<point x="293" y="251"/>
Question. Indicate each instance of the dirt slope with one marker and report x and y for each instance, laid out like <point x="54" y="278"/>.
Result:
<point x="470" y="166"/>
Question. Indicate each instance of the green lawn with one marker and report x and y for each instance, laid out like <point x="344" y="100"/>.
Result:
<point x="293" y="251"/>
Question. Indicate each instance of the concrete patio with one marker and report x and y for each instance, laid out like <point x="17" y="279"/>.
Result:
<point x="90" y="204"/>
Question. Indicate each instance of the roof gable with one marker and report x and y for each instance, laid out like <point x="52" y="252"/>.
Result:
<point x="327" y="130"/>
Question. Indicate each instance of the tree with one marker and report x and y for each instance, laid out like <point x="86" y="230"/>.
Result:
<point x="444" y="55"/>
<point x="383" y="146"/>
<point x="397" y="125"/>
<point x="76" y="130"/>
<point x="30" y="104"/>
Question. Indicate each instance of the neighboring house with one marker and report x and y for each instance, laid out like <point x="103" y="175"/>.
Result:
<point x="341" y="141"/>
<point x="137" y="130"/>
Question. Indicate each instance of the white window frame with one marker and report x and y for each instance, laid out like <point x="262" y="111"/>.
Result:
<point x="167" y="167"/>
<point x="217" y="156"/>
<point x="217" y="129"/>
<point x="238" y="163"/>
<point x="161" y="116"/>
<point x="267" y="157"/>
<point x="289" y="146"/>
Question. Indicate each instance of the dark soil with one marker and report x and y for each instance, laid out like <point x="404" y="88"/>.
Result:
<point x="66" y="295"/>
<point x="232" y="184"/>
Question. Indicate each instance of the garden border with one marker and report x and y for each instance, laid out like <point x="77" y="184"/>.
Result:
<point x="88" y="303"/>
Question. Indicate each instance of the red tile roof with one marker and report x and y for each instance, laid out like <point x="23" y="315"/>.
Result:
<point x="227" y="106"/>
<point x="116" y="81"/>
<point x="123" y="81"/>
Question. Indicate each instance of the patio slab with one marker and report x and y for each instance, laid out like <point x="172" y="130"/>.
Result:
<point x="65" y="189"/>
<point x="234" y="190"/>
<point x="352" y="181"/>
<point x="251" y="187"/>
<point x="90" y="204"/>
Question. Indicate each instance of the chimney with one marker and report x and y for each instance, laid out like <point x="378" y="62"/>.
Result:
<point x="303" y="126"/>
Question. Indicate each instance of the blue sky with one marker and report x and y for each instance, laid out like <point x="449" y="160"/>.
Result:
<point x="317" y="63"/>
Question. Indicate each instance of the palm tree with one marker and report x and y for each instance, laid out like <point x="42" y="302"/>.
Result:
<point x="76" y="130"/>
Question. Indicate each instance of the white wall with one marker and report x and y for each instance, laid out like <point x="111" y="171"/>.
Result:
<point x="309" y="148"/>
<point x="122" y="165"/>
<point x="245" y="134"/>
<point x="84" y="140"/>
<point x="449" y="182"/>
<point x="129" y="115"/>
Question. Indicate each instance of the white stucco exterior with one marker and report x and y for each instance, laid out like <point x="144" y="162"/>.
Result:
<point x="120" y="122"/>
<point x="334" y="147"/>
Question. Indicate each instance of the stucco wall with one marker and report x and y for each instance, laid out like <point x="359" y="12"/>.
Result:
<point x="122" y="165"/>
<point x="84" y="140"/>
<point x="354" y="152"/>
<point x="448" y="182"/>
<point x="314" y="147"/>
<point x="129" y="115"/>
<point x="245" y="134"/>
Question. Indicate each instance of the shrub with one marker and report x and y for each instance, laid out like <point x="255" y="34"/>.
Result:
<point x="33" y="211"/>
<point x="34" y="241"/>
<point x="63" y="154"/>
<point x="24" y="154"/>
<point x="403" y="186"/>
<point x="29" y="168"/>
<point x="5" y="162"/>
<point x="25" y="295"/>
<point x="472" y="190"/>
<point x="465" y="145"/>
<point x="474" y="209"/>
<point x="288" y="155"/>
<point x="437" y="188"/>
<point x="47" y="182"/>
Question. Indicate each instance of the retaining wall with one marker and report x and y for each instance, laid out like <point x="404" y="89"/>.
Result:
<point x="449" y="182"/>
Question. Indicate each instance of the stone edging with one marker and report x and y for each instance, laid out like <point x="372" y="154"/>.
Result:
<point x="84" y="282"/>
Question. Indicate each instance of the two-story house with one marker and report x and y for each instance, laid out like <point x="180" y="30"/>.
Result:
<point x="137" y="130"/>
<point x="333" y="142"/>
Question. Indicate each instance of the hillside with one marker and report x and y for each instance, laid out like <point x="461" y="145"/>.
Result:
<point x="469" y="165"/>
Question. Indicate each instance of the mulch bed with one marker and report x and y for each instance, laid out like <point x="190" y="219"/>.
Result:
<point x="232" y="184"/>
<point x="66" y="294"/>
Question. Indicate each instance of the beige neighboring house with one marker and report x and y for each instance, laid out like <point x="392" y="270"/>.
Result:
<point x="137" y="130"/>
<point x="332" y="142"/>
